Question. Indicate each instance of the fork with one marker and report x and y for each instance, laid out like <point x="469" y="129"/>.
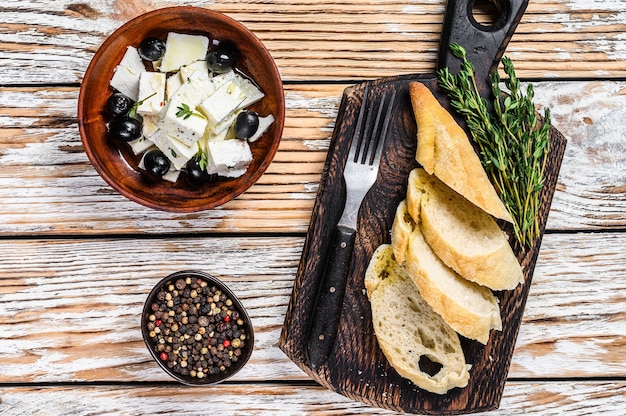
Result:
<point x="359" y="175"/>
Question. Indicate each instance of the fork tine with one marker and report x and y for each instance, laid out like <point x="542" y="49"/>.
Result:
<point x="381" y="138"/>
<point x="372" y="134"/>
<point x="357" y="136"/>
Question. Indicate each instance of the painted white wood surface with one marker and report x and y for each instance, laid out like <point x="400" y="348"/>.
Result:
<point x="338" y="39"/>
<point x="77" y="260"/>
<point x="47" y="185"/>
<point x="534" y="399"/>
<point x="71" y="307"/>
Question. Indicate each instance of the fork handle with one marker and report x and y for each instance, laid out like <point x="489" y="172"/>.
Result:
<point x="325" y="320"/>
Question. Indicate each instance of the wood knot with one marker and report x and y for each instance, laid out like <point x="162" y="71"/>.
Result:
<point x="82" y="9"/>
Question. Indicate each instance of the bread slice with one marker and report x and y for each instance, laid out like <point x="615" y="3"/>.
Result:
<point x="463" y="236"/>
<point x="469" y="308"/>
<point x="401" y="230"/>
<point x="444" y="150"/>
<point x="408" y="331"/>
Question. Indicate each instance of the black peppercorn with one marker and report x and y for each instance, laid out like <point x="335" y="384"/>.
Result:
<point x="195" y="324"/>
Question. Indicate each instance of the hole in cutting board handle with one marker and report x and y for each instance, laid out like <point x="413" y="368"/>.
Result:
<point x="488" y="15"/>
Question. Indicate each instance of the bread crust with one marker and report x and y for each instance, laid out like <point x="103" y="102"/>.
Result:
<point x="464" y="237"/>
<point x="420" y="331"/>
<point x="470" y="309"/>
<point x="444" y="150"/>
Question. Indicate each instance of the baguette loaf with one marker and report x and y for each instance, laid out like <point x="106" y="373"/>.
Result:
<point x="444" y="150"/>
<point x="469" y="308"/>
<point x="463" y="236"/>
<point x="408" y="331"/>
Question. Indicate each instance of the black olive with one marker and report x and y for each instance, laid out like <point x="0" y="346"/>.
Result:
<point x="156" y="163"/>
<point x="221" y="60"/>
<point x="246" y="124"/>
<point x="125" y="128"/>
<point x="119" y="105"/>
<point x="151" y="49"/>
<point x="196" y="176"/>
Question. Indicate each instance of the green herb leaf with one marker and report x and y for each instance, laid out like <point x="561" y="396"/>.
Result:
<point x="133" y="110"/>
<point x="512" y="148"/>
<point x="184" y="111"/>
<point x="201" y="157"/>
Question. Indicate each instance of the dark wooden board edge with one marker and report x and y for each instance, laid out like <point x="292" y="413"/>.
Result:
<point x="357" y="368"/>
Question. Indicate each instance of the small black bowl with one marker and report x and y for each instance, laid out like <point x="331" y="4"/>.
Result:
<point x="196" y="329"/>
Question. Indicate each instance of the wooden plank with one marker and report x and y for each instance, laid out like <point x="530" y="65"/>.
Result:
<point x="43" y="43"/>
<point x="528" y="398"/>
<point x="71" y="308"/>
<point x="47" y="185"/>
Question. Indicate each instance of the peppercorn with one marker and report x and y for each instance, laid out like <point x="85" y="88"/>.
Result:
<point x="196" y="330"/>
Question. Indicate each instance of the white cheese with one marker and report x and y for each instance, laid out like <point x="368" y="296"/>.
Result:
<point x="126" y="74"/>
<point x="225" y="124"/>
<point x="222" y="103"/>
<point x="176" y="152"/>
<point x="196" y="70"/>
<point x="252" y="93"/>
<point x="140" y="145"/>
<point x="171" y="175"/>
<point x="229" y="158"/>
<point x="186" y="129"/>
<point x="182" y="49"/>
<point x="172" y="85"/>
<point x="149" y="125"/>
<point x="264" y="124"/>
<point x="151" y="93"/>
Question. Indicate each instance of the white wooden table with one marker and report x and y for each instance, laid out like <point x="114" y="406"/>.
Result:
<point x="77" y="259"/>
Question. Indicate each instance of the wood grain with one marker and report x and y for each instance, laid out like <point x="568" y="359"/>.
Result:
<point x="47" y="176"/>
<point x="71" y="307"/>
<point x="77" y="260"/>
<point x="534" y="399"/>
<point x="335" y="40"/>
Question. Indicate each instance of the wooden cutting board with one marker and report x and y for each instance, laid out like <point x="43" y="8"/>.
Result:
<point x="357" y="367"/>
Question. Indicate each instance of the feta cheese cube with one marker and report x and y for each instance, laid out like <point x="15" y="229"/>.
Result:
<point x="140" y="145"/>
<point x="174" y="150"/>
<point x="225" y="124"/>
<point x="182" y="49"/>
<point x="187" y="129"/>
<point x="171" y="175"/>
<point x="229" y="158"/>
<point x="196" y="70"/>
<point x="152" y="92"/>
<point x="172" y="85"/>
<point x="126" y="74"/>
<point x="149" y="125"/>
<point x="264" y="124"/>
<point x="251" y="91"/>
<point x="222" y="103"/>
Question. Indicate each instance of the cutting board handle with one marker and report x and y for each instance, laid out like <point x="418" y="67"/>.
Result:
<point x="484" y="44"/>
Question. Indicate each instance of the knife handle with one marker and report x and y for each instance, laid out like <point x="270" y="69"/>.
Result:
<point x="325" y="320"/>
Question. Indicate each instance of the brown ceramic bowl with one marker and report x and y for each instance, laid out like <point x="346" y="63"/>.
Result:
<point x="115" y="161"/>
<point x="216" y="340"/>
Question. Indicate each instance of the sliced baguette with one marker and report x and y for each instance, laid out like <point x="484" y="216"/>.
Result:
<point x="463" y="236"/>
<point x="444" y="150"/>
<point x="469" y="308"/>
<point x="407" y="328"/>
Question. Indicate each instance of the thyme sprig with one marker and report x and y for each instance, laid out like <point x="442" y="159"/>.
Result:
<point x="133" y="110"/>
<point x="184" y="111"/>
<point x="513" y="142"/>
<point x="202" y="158"/>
